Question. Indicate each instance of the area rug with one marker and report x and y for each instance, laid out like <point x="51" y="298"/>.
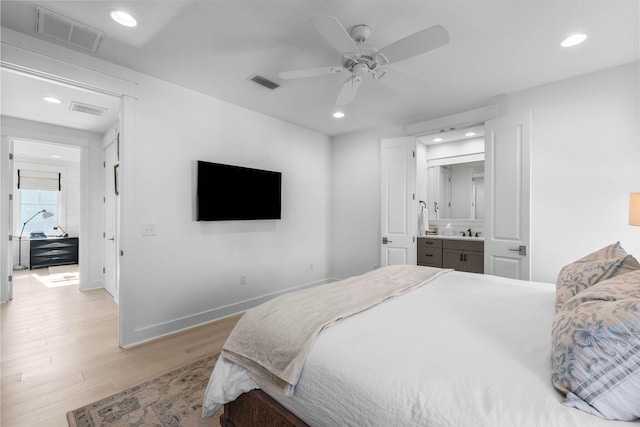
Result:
<point x="171" y="400"/>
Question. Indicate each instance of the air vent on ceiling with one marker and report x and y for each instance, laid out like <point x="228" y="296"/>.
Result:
<point x="67" y="30"/>
<point x="86" y="108"/>
<point x="263" y="81"/>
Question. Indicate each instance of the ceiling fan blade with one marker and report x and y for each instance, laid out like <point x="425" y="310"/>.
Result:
<point x="413" y="45"/>
<point x="333" y="32"/>
<point x="349" y="90"/>
<point x="402" y="82"/>
<point x="309" y="72"/>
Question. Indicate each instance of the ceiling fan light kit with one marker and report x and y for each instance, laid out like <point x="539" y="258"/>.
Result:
<point x="360" y="59"/>
<point x="360" y="33"/>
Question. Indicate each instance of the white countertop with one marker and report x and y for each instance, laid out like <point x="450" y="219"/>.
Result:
<point x="439" y="236"/>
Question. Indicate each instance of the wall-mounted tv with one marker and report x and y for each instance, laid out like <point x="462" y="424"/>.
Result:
<point x="228" y="193"/>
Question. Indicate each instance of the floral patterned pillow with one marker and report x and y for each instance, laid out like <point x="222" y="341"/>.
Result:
<point x="596" y="348"/>
<point x="614" y="250"/>
<point x="603" y="264"/>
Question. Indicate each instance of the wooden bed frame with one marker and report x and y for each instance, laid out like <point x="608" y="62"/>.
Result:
<point x="257" y="409"/>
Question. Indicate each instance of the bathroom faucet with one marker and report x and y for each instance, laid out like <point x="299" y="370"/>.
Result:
<point x="469" y="231"/>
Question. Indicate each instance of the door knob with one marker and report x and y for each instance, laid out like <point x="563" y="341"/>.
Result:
<point x="385" y="241"/>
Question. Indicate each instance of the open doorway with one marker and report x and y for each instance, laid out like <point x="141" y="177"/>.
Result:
<point x="54" y="133"/>
<point x="46" y="205"/>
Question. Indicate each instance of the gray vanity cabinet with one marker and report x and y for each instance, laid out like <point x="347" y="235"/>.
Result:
<point x="461" y="255"/>
<point x="430" y="252"/>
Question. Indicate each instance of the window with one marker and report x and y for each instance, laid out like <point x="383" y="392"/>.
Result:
<point x="34" y="201"/>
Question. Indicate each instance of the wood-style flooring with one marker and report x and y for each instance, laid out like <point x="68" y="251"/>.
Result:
<point x="59" y="349"/>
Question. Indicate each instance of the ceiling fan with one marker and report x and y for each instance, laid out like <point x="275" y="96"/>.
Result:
<point x="360" y="59"/>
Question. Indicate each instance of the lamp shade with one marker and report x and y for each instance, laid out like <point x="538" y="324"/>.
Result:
<point x="634" y="209"/>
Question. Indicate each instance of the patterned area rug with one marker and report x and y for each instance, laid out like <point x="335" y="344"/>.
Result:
<point x="171" y="400"/>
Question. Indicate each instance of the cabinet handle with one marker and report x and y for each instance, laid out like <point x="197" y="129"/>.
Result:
<point x="428" y="254"/>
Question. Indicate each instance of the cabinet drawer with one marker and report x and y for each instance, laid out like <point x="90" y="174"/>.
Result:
<point x="69" y="253"/>
<point x="464" y="245"/>
<point x="424" y="242"/>
<point x="430" y="256"/>
<point x="43" y="244"/>
<point x="48" y="252"/>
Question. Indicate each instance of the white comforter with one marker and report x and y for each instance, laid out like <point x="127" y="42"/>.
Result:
<point x="464" y="350"/>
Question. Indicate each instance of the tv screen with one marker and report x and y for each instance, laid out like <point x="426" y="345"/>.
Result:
<point x="227" y="193"/>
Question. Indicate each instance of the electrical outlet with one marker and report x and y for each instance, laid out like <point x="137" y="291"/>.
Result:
<point x="148" y="229"/>
<point x="243" y="279"/>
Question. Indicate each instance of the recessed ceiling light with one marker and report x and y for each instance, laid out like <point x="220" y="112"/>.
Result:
<point x="338" y="114"/>
<point x="438" y="140"/>
<point x="573" y="40"/>
<point x="52" y="100"/>
<point x="470" y="134"/>
<point x="55" y="156"/>
<point x="123" y="18"/>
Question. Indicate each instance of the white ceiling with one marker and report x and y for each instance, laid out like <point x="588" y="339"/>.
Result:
<point x="22" y="97"/>
<point x="214" y="47"/>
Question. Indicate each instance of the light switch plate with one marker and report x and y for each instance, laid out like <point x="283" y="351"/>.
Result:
<point x="148" y="229"/>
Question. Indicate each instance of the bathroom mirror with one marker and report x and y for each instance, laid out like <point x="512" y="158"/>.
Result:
<point x="456" y="191"/>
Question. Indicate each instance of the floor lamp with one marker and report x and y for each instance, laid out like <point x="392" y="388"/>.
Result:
<point x="45" y="214"/>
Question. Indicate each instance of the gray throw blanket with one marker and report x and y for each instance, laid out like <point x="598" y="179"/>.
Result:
<point x="272" y="340"/>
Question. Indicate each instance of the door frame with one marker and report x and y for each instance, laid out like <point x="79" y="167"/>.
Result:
<point x="6" y="217"/>
<point x="71" y="72"/>
<point x="110" y="142"/>
<point x="12" y="130"/>
<point x="465" y="119"/>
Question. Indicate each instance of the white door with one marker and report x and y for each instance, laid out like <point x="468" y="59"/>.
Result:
<point x="399" y="221"/>
<point x="109" y="240"/>
<point x="507" y="150"/>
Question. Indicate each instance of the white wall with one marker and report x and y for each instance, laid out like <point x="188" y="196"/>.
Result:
<point x="355" y="190"/>
<point x="189" y="272"/>
<point x="585" y="162"/>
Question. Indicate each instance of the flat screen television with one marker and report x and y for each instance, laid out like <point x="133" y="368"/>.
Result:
<point x="228" y="193"/>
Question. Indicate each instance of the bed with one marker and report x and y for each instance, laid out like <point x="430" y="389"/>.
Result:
<point x="460" y="349"/>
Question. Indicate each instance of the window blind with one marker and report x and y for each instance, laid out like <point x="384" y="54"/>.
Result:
<point x="38" y="180"/>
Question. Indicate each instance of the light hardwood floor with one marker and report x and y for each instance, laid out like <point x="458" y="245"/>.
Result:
<point x="59" y="349"/>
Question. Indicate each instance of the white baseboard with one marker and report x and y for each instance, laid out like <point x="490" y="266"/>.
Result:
<point x="153" y="332"/>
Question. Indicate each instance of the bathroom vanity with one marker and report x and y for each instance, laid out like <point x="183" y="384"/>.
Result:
<point x="459" y="253"/>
